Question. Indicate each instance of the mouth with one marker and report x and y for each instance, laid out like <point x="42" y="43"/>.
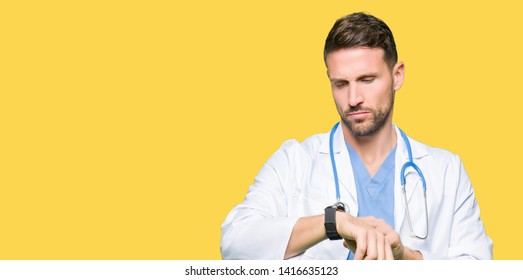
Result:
<point x="357" y="114"/>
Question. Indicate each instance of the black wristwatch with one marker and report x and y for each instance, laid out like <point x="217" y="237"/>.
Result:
<point x="330" y="220"/>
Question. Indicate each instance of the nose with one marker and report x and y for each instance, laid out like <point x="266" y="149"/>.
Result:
<point x="355" y="96"/>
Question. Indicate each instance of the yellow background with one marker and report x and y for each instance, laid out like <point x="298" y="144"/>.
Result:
<point x="129" y="129"/>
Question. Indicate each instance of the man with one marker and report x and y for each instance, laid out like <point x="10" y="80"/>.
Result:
<point x="340" y="194"/>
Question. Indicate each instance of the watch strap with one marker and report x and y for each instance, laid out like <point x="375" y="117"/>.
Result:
<point x="330" y="223"/>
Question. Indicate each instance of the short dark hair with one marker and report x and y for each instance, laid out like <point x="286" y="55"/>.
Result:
<point x="361" y="30"/>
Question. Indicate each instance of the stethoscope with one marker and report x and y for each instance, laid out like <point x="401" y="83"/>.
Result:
<point x="403" y="181"/>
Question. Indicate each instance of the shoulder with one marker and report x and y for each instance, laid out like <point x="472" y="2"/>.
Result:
<point x="309" y="147"/>
<point x="434" y="155"/>
<point x="293" y="152"/>
<point x="292" y="159"/>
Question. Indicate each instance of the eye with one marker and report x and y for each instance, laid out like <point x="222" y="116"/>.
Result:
<point x="368" y="80"/>
<point x="340" y="84"/>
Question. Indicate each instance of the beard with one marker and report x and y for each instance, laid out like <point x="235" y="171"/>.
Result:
<point x="366" y="127"/>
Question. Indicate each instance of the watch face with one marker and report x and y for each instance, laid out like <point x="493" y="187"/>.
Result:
<point x="341" y="206"/>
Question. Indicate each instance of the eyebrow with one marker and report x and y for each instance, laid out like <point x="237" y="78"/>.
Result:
<point x="359" y="78"/>
<point x="337" y="80"/>
<point x="366" y="76"/>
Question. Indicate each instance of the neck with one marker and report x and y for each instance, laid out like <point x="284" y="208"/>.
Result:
<point x="372" y="149"/>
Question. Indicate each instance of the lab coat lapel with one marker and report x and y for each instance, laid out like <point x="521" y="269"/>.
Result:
<point x="346" y="176"/>
<point x="399" y="205"/>
<point x="344" y="167"/>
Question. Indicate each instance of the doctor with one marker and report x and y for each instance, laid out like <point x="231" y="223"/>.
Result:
<point x="363" y="190"/>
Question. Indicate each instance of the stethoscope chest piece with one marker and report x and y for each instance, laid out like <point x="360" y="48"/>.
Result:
<point x="341" y="206"/>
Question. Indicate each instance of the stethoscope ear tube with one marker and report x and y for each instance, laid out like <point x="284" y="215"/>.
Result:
<point x="333" y="161"/>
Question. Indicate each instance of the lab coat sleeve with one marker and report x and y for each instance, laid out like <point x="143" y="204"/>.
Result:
<point x="259" y="227"/>
<point x="468" y="239"/>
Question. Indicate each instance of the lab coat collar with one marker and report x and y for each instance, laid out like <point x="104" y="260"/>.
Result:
<point x="418" y="150"/>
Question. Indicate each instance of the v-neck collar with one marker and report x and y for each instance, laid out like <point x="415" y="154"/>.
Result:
<point x="372" y="184"/>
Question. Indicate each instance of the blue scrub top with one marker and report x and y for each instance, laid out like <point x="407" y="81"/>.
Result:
<point x="375" y="194"/>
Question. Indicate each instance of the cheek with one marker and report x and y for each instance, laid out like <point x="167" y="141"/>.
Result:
<point x="340" y="100"/>
<point x="377" y="93"/>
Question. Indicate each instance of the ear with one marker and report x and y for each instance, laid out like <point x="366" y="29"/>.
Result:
<point x="398" y="75"/>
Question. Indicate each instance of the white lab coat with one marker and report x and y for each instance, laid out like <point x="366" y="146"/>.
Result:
<point x="298" y="181"/>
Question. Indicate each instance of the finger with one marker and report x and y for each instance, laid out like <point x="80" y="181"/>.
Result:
<point x="361" y="244"/>
<point x="381" y="246"/>
<point x="390" y="234"/>
<point x="372" y="246"/>
<point x="388" y="251"/>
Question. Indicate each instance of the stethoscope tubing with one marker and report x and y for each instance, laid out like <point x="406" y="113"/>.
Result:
<point x="409" y="163"/>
